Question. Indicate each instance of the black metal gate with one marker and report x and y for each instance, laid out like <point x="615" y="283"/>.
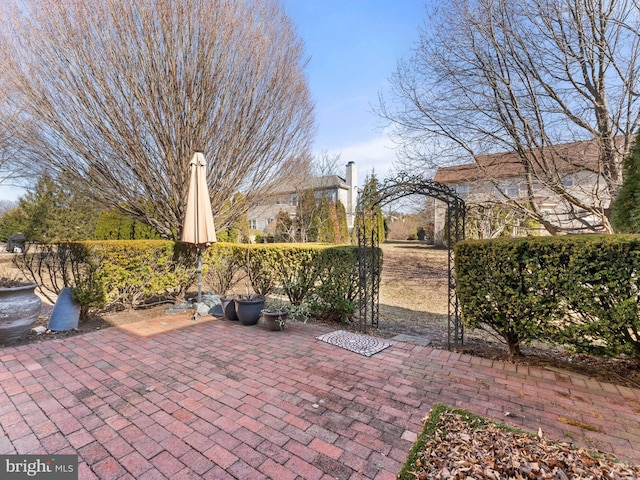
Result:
<point x="370" y="256"/>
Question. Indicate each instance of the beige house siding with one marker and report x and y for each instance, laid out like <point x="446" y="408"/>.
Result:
<point x="285" y="197"/>
<point x="480" y="183"/>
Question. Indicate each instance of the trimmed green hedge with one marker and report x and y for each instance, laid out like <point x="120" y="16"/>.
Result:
<point x="602" y="288"/>
<point x="577" y="290"/>
<point x="134" y="272"/>
<point x="323" y="276"/>
<point x="336" y="290"/>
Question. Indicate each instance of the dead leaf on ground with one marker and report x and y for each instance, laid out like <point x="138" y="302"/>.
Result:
<point x="459" y="451"/>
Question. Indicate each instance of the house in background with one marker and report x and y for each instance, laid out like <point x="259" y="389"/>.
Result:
<point x="500" y="179"/>
<point x="285" y="197"/>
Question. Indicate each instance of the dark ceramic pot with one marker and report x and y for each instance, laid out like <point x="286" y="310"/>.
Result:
<point x="275" y="321"/>
<point x="19" y="310"/>
<point x="229" y="308"/>
<point x="249" y="308"/>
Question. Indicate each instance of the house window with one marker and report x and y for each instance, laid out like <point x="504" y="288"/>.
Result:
<point x="567" y="181"/>
<point x="513" y="190"/>
<point x="293" y="199"/>
<point x="510" y="189"/>
<point x="253" y="224"/>
<point x="462" y="190"/>
<point x="332" y="196"/>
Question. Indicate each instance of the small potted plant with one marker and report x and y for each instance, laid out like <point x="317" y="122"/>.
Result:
<point x="275" y="315"/>
<point x="299" y="313"/>
<point x="259" y="277"/>
<point x="278" y="312"/>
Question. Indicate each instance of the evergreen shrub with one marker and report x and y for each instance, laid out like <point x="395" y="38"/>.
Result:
<point x="221" y="263"/>
<point x="601" y="288"/>
<point x="325" y="277"/>
<point x="506" y="286"/>
<point x="297" y="270"/>
<point x="335" y="294"/>
<point x="131" y="273"/>
<point x="576" y="290"/>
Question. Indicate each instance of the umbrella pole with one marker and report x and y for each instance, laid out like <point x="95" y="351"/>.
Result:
<point x="199" y="269"/>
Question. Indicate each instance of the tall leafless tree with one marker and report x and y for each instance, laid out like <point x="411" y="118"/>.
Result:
<point x="10" y="172"/>
<point x="499" y="75"/>
<point x="118" y="95"/>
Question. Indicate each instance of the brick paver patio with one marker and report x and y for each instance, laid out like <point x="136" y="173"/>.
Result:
<point x="217" y="400"/>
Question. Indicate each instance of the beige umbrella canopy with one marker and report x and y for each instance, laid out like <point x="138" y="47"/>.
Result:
<point x="198" y="226"/>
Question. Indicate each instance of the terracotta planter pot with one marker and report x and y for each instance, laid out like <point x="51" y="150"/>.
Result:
<point x="275" y="321"/>
<point x="249" y="308"/>
<point x="19" y="310"/>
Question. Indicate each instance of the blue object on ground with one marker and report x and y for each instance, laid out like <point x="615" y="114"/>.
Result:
<point x="65" y="314"/>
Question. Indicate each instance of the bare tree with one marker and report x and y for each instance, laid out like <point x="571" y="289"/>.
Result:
<point x="525" y="77"/>
<point x="324" y="165"/>
<point x="11" y="174"/>
<point x="117" y="96"/>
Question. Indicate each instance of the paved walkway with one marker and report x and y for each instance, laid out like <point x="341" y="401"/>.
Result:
<point x="218" y="400"/>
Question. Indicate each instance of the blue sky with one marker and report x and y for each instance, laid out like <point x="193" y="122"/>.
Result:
<point x="354" y="47"/>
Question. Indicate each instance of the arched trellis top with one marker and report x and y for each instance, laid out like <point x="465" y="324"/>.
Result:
<point x="404" y="185"/>
<point x="369" y="257"/>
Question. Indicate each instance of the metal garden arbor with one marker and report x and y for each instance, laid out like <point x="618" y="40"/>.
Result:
<point x="370" y="256"/>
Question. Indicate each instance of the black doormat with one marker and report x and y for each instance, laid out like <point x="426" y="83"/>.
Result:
<point x="354" y="342"/>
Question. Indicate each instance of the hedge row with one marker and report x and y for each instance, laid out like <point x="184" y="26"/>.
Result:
<point x="324" y="277"/>
<point x="110" y="272"/>
<point x="577" y="290"/>
<point x="105" y="273"/>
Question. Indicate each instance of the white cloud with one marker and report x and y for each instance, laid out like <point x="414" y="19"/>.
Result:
<point x="11" y="193"/>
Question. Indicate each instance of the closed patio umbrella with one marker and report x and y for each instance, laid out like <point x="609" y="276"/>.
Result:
<point x="198" y="226"/>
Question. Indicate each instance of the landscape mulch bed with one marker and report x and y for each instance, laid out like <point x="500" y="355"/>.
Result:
<point x="455" y="444"/>
<point x="618" y="371"/>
